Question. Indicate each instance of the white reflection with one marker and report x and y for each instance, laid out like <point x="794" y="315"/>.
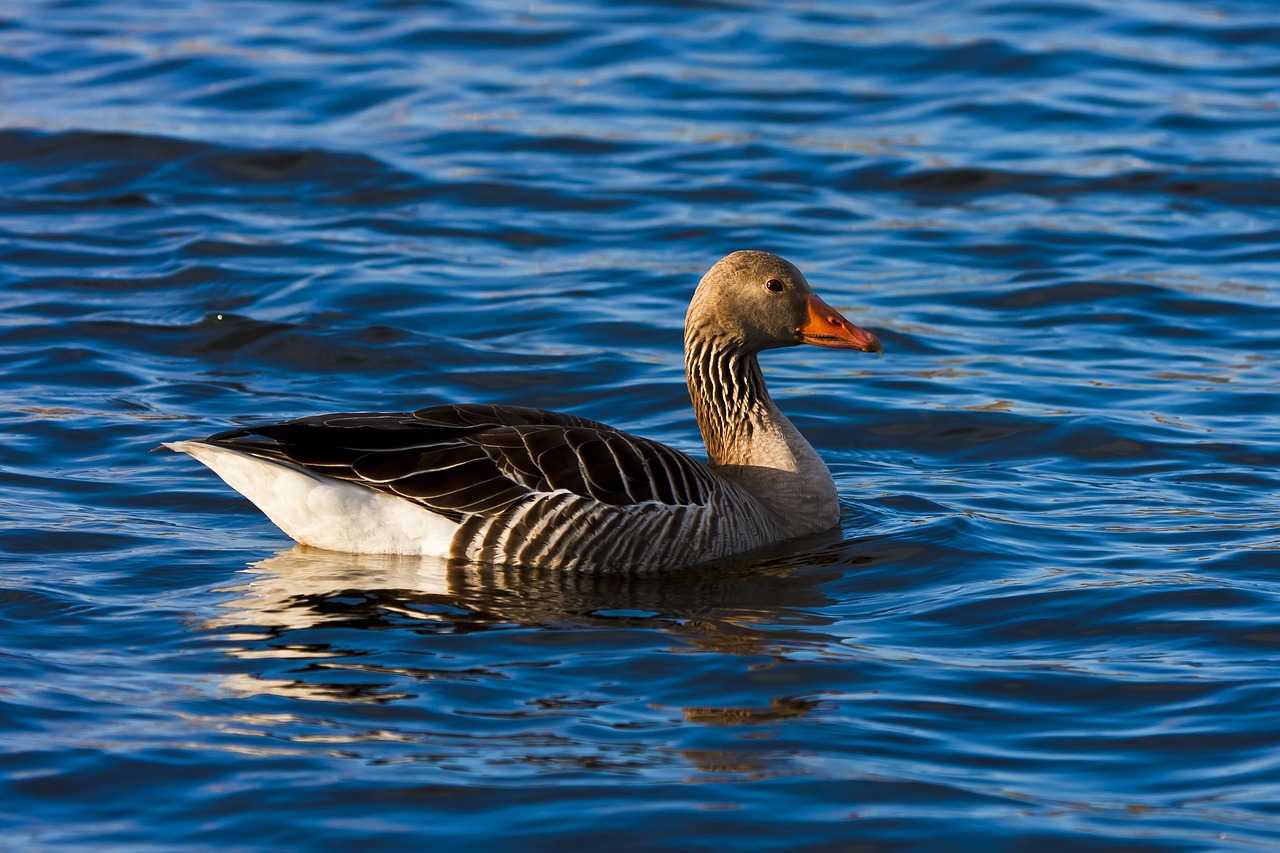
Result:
<point x="278" y="588"/>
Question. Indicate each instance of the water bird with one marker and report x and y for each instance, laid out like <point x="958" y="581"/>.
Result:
<point x="525" y="486"/>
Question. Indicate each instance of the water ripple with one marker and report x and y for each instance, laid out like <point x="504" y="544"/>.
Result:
<point x="1047" y="619"/>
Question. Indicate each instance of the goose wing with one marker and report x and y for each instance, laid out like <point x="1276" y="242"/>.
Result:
<point x="467" y="460"/>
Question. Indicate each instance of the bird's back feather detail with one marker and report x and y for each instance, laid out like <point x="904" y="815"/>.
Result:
<point x="515" y="484"/>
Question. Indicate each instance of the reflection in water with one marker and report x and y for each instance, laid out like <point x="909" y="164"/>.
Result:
<point x="323" y="615"/>
<point x="779" y="708"/>
<point x="290" y="589"/>
<point x="715" y="765"/>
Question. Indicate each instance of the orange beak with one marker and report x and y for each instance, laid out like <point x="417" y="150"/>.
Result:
<point x="824" y="327"/>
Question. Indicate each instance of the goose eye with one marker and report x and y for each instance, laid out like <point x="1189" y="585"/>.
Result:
<point x="774" y="285"/>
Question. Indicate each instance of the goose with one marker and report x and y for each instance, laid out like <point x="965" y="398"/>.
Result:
<point x="506" y="484"/>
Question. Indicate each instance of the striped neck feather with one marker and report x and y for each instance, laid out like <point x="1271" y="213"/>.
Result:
<point x="729" y="397"/>
<point x="750" y="441"/>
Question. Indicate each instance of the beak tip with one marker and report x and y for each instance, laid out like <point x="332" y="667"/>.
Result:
<point x="825" y="327"/>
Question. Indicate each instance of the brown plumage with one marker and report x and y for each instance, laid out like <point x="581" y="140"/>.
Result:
<point x="519" y="485"/>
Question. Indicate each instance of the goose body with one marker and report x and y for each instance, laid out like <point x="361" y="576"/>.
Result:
<point x="508" y="484"/>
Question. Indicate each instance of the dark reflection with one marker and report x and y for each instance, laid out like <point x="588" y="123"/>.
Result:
<point x="722" y="765"/>
<point x="779" y="708"/>
<point x="317" y="609"/>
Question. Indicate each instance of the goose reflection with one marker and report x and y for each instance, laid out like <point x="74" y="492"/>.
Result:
<point x="315" y="622"/>
<point x="306" y="588"/>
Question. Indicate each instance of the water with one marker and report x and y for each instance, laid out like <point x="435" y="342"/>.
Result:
<point x="1049" y="620"/>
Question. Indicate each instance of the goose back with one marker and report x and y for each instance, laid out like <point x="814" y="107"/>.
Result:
<point x="527" y="486"/>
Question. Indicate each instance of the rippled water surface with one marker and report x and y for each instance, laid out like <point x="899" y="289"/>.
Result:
<point x="1050" y="619"/>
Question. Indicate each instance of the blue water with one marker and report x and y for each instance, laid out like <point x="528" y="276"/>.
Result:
<point x="1051" y="620"/>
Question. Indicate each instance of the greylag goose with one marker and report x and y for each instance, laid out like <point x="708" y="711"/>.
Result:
<point x="505" y="484"/>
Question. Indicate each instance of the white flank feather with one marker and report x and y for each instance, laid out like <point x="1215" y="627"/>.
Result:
<point x="324" y="512"/>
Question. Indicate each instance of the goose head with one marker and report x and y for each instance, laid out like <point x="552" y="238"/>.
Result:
<point x="758" y="301"/>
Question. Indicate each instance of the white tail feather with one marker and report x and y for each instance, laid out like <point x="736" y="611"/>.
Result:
<point x="324" y="512"/>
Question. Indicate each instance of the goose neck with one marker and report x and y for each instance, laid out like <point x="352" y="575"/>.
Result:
<point x="750" y="442"/>
<point x="730" y="400"/>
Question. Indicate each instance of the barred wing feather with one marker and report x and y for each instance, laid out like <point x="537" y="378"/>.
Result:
<point x="512" y="477"/>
